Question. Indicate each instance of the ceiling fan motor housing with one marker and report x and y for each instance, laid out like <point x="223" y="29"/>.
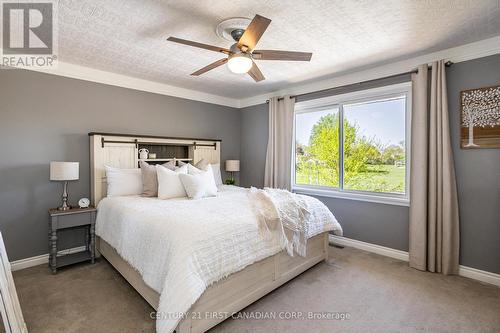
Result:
<point x="235" y="49"/>
<point x="237" y="33"/>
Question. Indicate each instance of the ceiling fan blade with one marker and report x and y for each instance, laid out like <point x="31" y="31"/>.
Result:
<point x="281" y="55"/>
<point x="210" y="67"/>
<point x="200" y="45"/>
<point x="253" y="32"/>
<point x="255" y="73"/>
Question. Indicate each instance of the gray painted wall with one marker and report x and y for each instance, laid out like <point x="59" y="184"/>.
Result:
<point x="478" y="178"/>
<point x="45" y="118"/>
<point x="254" y="134"/>
<point x="478" y="172"/>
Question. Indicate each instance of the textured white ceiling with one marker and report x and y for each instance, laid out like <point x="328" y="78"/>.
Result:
<point x="129" y="37"/>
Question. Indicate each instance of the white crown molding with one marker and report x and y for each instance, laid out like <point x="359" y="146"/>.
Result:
<point x="469" y="272"/>
<point x="465" y="52"/>
<point x="119" y="80"/>
<point x="41" y="259"/>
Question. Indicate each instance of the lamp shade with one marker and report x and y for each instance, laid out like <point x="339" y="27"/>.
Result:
<point x="64" y="171"/>
<point x="232" y="165"/>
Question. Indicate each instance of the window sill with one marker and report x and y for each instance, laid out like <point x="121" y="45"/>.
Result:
<point x="387" y="200"/>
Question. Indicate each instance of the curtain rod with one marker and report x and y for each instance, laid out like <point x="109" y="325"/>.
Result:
<point x="447" y="64"/>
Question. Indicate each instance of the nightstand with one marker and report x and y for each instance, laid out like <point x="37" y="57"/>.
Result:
<point x="73" y="218"/>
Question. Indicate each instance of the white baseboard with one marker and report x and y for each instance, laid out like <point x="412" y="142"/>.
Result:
<point x="464" y="271"/>
<point x="477" y="274"/>
<point x="382" y="250"/>
<point x="41" y="259"/>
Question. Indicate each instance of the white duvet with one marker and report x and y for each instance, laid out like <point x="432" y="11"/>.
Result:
<point x="181" y="246"/>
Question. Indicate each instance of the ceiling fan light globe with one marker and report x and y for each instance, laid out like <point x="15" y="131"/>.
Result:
<point x="239" y="63"/>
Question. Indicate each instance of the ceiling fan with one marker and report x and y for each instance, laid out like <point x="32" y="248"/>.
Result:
<point x="241" y="55"/>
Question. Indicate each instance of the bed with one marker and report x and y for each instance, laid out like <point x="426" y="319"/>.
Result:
<point x="197" y="262"/>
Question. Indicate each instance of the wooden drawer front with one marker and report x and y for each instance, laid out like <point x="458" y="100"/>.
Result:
<point x="74" y="220"/>
<point x="236" y="283"/>
<point x="315" y="247"/>
<point x="226" y="296"/>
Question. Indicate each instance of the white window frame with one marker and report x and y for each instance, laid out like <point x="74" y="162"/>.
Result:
<point x="337" y="102"/>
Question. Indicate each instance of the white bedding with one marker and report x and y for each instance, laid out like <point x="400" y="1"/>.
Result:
<point x="181" y="246"/>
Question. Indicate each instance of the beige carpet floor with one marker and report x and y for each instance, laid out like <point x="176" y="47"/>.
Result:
<point x="379" y="294"/>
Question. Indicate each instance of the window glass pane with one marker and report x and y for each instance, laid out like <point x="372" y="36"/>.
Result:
<point x="374" y="146"/>
<point x="317" y="147"/>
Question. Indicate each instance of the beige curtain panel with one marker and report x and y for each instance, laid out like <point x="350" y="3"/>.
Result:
<point x="434" y="219"/>
<point x="278" y="170"/>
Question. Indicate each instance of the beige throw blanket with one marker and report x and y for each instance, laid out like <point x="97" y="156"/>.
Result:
<point x="289" y="213"/>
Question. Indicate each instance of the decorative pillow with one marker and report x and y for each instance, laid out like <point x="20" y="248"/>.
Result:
<point x="202" y="164"/>
<point x="170" y="165"/>
<point x="192" y="170"/>
<point x="169" y="183"/>
<point x="150" y="179"/>
<point x="217" y="174"/>
<point x="123" y="181"/>
<point x="199" y="185"/>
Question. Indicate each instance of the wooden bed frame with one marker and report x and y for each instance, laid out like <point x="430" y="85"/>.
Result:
<point x="233" y="293"/>
<point x="227" y="296"/>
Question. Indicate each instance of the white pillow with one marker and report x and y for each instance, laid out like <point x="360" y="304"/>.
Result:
<point x="192" y="170"/>
<point x="217" y="174"/>
<point x="169" y="183"/>
<point x="123" y="181"/>
<point x="201" y="164"/>
<point x="199" y="185"/>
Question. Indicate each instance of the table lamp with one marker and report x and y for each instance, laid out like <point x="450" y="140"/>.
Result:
<point x="64" y="171"/>
<point x="232" y="166"/>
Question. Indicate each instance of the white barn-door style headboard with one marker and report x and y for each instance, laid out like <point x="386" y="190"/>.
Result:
<point x="122" y="151"/>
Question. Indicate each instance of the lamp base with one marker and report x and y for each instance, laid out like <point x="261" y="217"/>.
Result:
<point x="64" y="205"/>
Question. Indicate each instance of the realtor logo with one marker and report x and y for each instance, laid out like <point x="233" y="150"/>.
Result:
<point x="28" y="34"/>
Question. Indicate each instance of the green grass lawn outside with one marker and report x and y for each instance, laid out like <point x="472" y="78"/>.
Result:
<point x="378" y="178"/>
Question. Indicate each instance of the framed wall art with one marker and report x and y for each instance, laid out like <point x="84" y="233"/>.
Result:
<point x="480" y="118"/>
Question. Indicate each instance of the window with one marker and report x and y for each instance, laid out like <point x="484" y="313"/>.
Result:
<point x="354" y="145"/>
